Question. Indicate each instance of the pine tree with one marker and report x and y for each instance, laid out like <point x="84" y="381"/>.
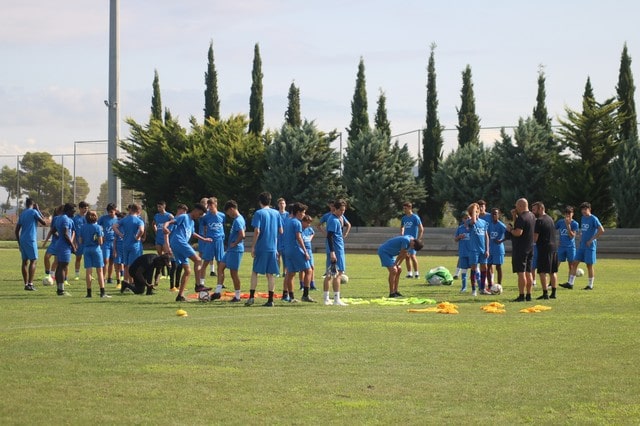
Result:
<point x="625" y="188"/>
<point x="156" y="102"/>
<point x="431" y="147"/>
<point x="292" y="115"/>
<point x="381" y="120"/>
<point x="540" y="113"/>
<point x="359" y="113"/>
<point x="256" y="106"/>
<point x="211" y="99"/>
<point x="626" y="92"/>
<point x="468" y="122"/>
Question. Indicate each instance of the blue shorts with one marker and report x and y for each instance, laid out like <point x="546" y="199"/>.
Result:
<point x="232" y="260"/>
<point x="79" y="250"/>
<point x="295" y="261"/>
<point x="213" y="250"/>
<point x="266" y="263"/>
<point x="340" y="261"/>
<point x="585" y="255"/>
<point x="118" y="258"/>
<point x="566" y="254"/>
<point x="52" y="248"/>
<point x="463" y="262"/>
<point x="130" y="254"/>
<point x="29" y="250"/>
<point x="93" y="258"/>
<point x="107" y="251"/>
<point x="182" y="253"/>
<point x="63" y="252"/>
<point x="476" y="259"/>
<point x="495" y="259"/>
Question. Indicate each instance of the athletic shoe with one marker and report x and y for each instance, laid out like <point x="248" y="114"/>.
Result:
<point x="416" y="276"/>
<point x="588" y="288"/>
<point x="552" y="296"/>
<point x="397" y="293"/>
<point x="313" y="287"/>
<point x="392" y="295"/>
<point x="308" y="299"/>
<point x="249" y="302"/>
<point x="519" y="298"/>
<point x="234" y="300"/>
<point x="527" y="298"/>
<point x="486" y="292"/>
<point x="463" y="289"/>
<point x="30" y="287"/>
<point x="109" y="281"/>
<point x="119" y="286"/>
<point x="62" y="293"/>
<point x="180" y="299"/>
<point x="213" y="274"/>
<point x="543" y="297"/>
<point x="215" y="296"/>
<point x="66" y="282"/>
<point x="328" y="302"/>
<point x="76" y="278"/>
<point x="105" y="296"/>
<point x="88" y="296"/>
<point x="474" y="293"/>
<point x="301" y="287"/>
<point x="269" y="304"/>
<point x="455" y="277"/>
<point x="566" y="285"/>
<point x="286" y="299"/>
<point x="200" y="288"/>
<point x="409" y="276"/>
<point x="339" y="303"/>
<point x="294" y="301"/>
<point x="173" y="289"/>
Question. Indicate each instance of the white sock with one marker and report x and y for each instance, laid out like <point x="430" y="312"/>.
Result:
<point x="417" y="274"/>
<point x="237" y="293"/>
<point x="219" y="289"/>
<point x="572" y="279"/>
<point x="458" y="271"/>
<point x="336" y="296"/>
<point x="326" y="295"/>
<point x="591" y="282"/>
<point x="409" y="274"/>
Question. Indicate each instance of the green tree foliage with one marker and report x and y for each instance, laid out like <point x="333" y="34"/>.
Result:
<point x="626" y="92"/>
<point x="211" y="99"/>
<point x="292" y="116"/>
<point x="465" y="176"/>
<point x="591" y="138"/>
<point x="44" y="180"/>
<point x="359" y="110"/>
<point x="156" y="101"/>
<point x="128" y="196"/>
<point x="379" y="177"/>
<point x="302" y="166"/>
<point x="81" y="189"/>
<point x="468" y="121"/>
<point x="9" y="181"/>
<point x="540" y="113"/>
<point x="625" y="188"/>
<point x="432" y="142"/>
<point x="256" y="106"/>
<point x="525" y="166"/>
<point x="381" y="120"/>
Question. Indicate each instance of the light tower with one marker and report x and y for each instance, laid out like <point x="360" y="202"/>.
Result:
<point x="113" y="104"/>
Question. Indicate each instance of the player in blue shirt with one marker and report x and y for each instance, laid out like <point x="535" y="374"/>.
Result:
<point x="284" y="216"/>
<point x="497" y="235"/>
<point x="79" y="220"/>
<point x="27" y="236"/>
<point x="212" y="224"/>
<point x="131" y="229"/>
<point x="462" y="238"/>
<point x="267" y="227"/>
<point x="107" y="221"/>
<point x="307" y="236"/>
<point x="411" y="225"/>
<point x="478" y="248"/>
<point x="568" y="228"/>
<point x="157" y="223"/>
<point x="296" y="256"/>
<point x="233" y="256"/>
<point x="49" y="266"/>
<point x="590" y="230"/>
<point x="392" y="253"/>
<point x="92" y="238"/>
<point x="336" y="261"/>
<point x="66" y="244"/>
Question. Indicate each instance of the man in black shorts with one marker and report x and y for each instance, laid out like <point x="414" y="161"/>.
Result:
<point x="522" y="247"/>
<point x="145" y="271"/>
<point x="544" y="235"/>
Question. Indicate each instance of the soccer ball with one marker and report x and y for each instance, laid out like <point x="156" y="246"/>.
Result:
<point x="496" y="289"/>
<point x="204" y="296"/>
<point x="435" y="280"/>
<point x="47" y="281"/>
<point x="344" y="278"/>
<point x="579" y="272"/>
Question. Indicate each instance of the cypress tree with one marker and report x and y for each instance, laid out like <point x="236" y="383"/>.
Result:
<point x="292" y="115"/>
<point x="256" y="106"/>
<point x="381" y="120"/>
<point x="626" y="91"/>
<point x="588" y="98"/>
<point x="468" y="122"/>
<point x="359" y="114"/>
<point x="432" y="146"/>
<point x="156" y="101"/>
<point x="540" y="113"/>
<point x="211" y="99"/>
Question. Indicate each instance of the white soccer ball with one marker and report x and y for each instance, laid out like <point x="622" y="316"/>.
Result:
<point x="496" y="288"/>
<point x="435" y="280"/>
<point x="204" y="296"/>
<point x="579" y="272"/>
<point x="344" y="278"/>
<point x="47" y="281"/>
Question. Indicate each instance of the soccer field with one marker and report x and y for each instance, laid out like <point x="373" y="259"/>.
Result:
<point x="131" y="360"/>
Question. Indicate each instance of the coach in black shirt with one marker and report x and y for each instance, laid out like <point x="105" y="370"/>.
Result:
<point x="522" y="247"/>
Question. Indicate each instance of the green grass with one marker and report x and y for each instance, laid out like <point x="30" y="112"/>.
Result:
<point x="131" y="360"/>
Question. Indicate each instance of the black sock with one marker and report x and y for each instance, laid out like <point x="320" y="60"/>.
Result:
<point x="102" y="291"/>
<point x="545" y="292"/>
<point x="271" y="296"/>
<point x="305" y="292"/>
<point x="553" y="291"/>
<point x="89" y="292"/>
<point x="252" y="294"/>
<point x="285" y="294"/>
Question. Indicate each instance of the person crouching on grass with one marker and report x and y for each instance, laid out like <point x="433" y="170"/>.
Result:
<point x="392" y="253"/>
<point x="91" y="237"/>
<point x="145" y="271"/>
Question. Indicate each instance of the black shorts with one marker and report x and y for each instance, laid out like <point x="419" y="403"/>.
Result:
<point x="521" y="262"/>
<point x="547" y="261"/>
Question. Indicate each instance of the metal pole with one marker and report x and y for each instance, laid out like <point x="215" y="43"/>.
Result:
<point x="18" y="184"/>
<point x="113" y="183"/>
<point x="75" y="144"/>
<point x="62" y="181"/>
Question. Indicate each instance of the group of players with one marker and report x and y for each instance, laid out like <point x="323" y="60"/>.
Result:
<point x="535" y="247"/>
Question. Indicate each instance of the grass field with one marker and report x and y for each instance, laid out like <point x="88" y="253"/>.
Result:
<point x="131" y="360"/>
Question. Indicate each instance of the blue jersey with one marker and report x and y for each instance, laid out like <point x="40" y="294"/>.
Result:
<point x="497" y="231"/>
<point x="393" y="246"/>
<point x="212" y="225"/>
<point x="90" y="235"/>
<point x="411" y="225"/>
<point x="28" y="222"/>
<point x="334" y="224"/>
<point x="237" y="226"/>
<point x="268" y="221"/>
<point x="160" y="219"/>
<point x="565" y="240"/>
<point x="477" y="236"/>
<point x="79" y="221"/>
<point x="107" y="222"/>
<point x="588" y="229"/>
<point x="130" y="225"/>
<point x="292" y="228"/>
<point x="54" y="236"/>
<point x="307" y="235"/>
<point x="64" y="225"/>
<point x="463" y="244"/>
<point x="182" y="230"/>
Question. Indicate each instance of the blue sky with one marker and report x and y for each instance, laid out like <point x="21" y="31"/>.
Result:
<point x="54" y="73"/>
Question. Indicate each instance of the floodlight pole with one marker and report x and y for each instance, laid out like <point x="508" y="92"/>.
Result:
<point x="113" y="104"/>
